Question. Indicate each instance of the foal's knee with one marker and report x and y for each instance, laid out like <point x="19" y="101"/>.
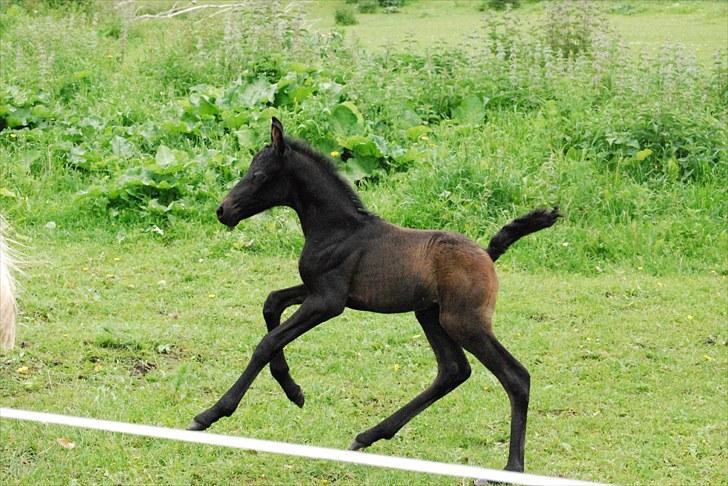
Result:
<point x="264" y="351"/>
<point x="270" y="309"/>
<point x="455" y="372"/>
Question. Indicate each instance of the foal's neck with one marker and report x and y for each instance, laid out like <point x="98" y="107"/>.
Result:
<point x="326" y="205"/>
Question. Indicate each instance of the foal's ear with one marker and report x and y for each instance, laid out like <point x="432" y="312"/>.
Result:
<point x="276" y="135"/>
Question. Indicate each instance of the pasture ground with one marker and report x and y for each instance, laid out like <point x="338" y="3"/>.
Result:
<point x="425" y="25"/>
<point x="627" y="369"/>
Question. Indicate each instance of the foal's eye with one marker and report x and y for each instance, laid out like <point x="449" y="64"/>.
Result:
<point x="258" y="177"/>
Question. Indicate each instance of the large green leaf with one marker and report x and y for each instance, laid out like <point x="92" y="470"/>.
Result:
<point x="165" y="156"/>
<point x="361" y="146"/>
<point x="18" y="118"/>
<point x="346" y="118"/>
<point x="259" y="92"/>
<point x="121" y="147"/>
<point x="417" y="131"/>
<point x="202" y="105"/>
<point x="358" y="168"/>
<point x="471" y="110"/>
<point x="234" y="120"/>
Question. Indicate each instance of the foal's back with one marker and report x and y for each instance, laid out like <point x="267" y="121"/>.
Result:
<point x="402" y="269"/>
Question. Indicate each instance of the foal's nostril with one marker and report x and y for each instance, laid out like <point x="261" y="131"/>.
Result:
<point x="220" y="212"/>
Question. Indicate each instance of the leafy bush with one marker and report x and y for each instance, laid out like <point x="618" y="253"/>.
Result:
<point x="18" y="109"/>
<point x="345" y="16"/>
<point x="367" y="6"/>
<point x="625" y="9"/>
<point x="657" y="143"/>
<point x="498" y="4"/>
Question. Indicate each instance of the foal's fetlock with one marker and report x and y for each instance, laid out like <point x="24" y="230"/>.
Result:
<point x="292" y="390"/>
<point x="205" y="419"/>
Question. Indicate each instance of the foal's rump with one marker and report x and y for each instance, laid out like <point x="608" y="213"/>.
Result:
<point x="467" y="284"/>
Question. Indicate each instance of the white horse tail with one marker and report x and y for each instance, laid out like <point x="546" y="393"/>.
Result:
<point x="8" y="305"/>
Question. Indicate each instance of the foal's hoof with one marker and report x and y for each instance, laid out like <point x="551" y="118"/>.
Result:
<point x="195" y="425"/>
<point x="298" y="398"/>
<point x="356" y="446"/>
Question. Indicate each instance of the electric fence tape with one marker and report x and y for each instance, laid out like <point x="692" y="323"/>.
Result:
<point x="311" y="452"/>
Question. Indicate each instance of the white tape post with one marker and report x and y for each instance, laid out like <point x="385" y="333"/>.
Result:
<point x="311" y="452"/>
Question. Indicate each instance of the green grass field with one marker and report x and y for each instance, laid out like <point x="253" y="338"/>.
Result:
<point x="118" y="138"/>
<point x="627" y="372"/>
<point x="427" y="24"/>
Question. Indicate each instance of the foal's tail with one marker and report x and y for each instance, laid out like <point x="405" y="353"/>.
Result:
<point x="518" y="228"/>
<point x="8" y="307"/>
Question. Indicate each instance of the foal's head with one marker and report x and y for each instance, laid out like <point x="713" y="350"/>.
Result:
<point x="263" y="186"/>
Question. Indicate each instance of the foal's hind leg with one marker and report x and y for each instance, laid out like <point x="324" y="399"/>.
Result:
<point x="476" y="337"/>
<point x="273" y="308"/>
<point x="452" y="370"/>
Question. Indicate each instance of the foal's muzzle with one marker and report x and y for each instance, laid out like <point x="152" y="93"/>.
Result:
<point x="225" y="216"/>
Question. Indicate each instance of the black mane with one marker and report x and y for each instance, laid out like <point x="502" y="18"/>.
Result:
<point x="329" y="167"/>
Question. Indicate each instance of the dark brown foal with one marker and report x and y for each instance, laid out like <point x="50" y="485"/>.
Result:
<point x="352" y="258"/>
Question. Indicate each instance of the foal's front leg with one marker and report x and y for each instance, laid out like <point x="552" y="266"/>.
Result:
<point x="274" y="306"/>
<point x="314" y="310"/>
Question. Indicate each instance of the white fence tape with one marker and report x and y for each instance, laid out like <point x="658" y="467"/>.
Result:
<point x="311" y="452"/>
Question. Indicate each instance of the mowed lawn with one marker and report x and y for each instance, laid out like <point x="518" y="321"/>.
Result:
<point x="628" y="371"/>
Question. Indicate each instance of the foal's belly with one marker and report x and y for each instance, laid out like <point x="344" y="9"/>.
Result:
<point x="388" y="297"/>
<point x="395" y="274"/>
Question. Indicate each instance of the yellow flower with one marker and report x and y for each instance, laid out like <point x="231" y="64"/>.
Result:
<point x="23" y="370"/>
<point x="335" y="153"/>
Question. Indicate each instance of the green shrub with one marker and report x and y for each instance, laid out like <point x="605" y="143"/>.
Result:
<point x="391" y="3"/>
<point x="498" y="4"/>
<point x="345" y="16"/>
<point x="572" y="26"/>
<point x="367" y="6"/>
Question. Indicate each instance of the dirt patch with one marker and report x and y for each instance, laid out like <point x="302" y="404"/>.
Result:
<point x="142" y="367"/>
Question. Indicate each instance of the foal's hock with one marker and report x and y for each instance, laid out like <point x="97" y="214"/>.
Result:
<point x="352" y="258"/>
